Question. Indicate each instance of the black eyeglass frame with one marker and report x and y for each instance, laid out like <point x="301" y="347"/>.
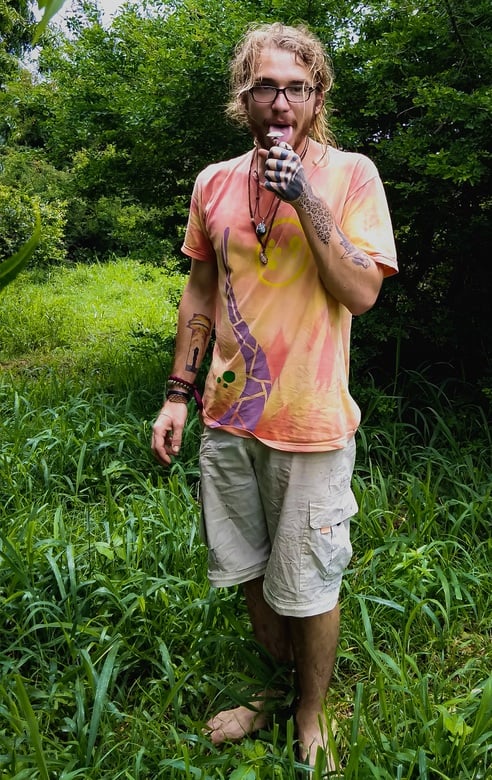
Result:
<point x="283" y="90"/>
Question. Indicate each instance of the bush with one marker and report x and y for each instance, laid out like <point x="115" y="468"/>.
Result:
<point x="17" y="220"/>
<point x="108" y="226"/>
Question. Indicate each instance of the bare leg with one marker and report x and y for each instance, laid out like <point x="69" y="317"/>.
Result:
<point x="314" y="642"/>
<point x="272" y="632"/>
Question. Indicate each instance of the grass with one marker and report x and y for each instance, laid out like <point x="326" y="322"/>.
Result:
<point x="113" y="648"/>
<point x="86" y="318"/>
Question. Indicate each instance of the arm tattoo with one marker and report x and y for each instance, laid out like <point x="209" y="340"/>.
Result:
<point x="319" y="213"/>
<point x="357" y="256"/>
<point x="323" y="223"/>
<point x="200" y="327"/>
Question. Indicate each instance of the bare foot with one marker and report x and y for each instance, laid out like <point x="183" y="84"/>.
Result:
<point x="313" y="736"/>
<point x="233" y="725"/>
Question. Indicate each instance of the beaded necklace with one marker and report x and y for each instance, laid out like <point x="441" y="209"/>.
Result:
<point x="262" y="230"/>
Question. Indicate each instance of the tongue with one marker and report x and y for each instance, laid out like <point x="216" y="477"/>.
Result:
<point x="283" y="133"/>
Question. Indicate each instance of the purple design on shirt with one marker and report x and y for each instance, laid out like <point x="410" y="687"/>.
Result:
<point x="246" y="412"/>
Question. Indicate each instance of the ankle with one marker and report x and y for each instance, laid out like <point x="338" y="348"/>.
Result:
<point x="310" y="720"/>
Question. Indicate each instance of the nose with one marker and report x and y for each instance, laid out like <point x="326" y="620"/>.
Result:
<point x="281" y="102"/>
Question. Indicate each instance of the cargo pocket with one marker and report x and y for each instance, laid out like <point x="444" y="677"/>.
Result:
<point x="326" y="547"/>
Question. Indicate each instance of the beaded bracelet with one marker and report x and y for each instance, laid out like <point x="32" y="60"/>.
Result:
<point x="176" y="380"/>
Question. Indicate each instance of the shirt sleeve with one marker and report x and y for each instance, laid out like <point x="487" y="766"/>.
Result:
<point x="366" y="219"/>
<point x="197" y="243"/>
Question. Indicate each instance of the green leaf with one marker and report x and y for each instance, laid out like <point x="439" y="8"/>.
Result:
<point x="103" y="548"/>
<point x="51" y="7"/>
<point x="33" y="727"/>
<point x="100" y="698"/>
<point x="10" y="268"/>
<point x="483" y="718"/>
<point x="243" y="772"/>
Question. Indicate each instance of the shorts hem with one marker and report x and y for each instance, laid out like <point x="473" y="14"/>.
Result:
<point x="225" y="580"/>
<point x="302" y="609"/>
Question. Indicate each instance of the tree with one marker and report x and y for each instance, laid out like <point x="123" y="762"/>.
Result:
<point x="16" y="21"/>
<point x="121" y="111"/>
<point x="16" y="28"/>
<point x="413" y="91"/>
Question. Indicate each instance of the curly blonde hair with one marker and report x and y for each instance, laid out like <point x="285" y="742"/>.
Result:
<point x="307" y="48"/>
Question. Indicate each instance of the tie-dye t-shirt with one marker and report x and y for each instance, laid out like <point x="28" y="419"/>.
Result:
<point x="280" y="362"/>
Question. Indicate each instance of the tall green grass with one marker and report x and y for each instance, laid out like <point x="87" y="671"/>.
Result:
<point x="114" y="651"/>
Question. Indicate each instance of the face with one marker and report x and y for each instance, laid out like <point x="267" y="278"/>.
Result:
<point x="280" y="68"/>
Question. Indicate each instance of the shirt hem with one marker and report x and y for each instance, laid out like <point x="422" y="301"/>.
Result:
<point x="287" y="446"/>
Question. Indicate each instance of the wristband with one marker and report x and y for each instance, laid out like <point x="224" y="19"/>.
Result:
<point x="191" y="390"/>
<point x="176" y="397"/>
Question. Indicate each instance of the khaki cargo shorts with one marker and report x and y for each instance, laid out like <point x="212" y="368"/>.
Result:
<point x="281" y="515"/>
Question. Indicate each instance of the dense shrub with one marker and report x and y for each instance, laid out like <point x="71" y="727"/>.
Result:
<point x="17" y="220"/>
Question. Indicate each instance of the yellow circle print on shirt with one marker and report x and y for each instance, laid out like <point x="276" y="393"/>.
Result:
<point x="285" y="264"/>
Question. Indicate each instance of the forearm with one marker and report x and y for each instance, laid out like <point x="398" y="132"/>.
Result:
<point x="350" y="275"/>
<point x="195" y="322"/>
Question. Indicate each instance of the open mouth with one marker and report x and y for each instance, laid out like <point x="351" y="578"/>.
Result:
<point x="280" y="133"/>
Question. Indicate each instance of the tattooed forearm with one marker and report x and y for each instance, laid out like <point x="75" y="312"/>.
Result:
<point x="324" y="223"/>
<point x="201" y="327"/>
<point x="319" y="213"/>
<point x="356" y="255"/>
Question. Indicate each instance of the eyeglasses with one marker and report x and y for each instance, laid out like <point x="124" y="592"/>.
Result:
<point x="265" y="93"/>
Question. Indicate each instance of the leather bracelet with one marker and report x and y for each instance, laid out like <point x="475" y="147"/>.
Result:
<point x="178" y="389"/>
<point x="191" y="390"/>
<point x="177" y="398"/>
<point x="172" y="391"/>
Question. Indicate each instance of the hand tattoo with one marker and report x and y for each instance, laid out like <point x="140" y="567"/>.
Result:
<point x="285" y="177"/>
<point x="284" y="174"/>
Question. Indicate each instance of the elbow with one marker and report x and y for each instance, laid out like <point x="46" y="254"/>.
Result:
<point x="361" y="308"/>
<point x="366" y="296"/>
<point x="362" y="303"/>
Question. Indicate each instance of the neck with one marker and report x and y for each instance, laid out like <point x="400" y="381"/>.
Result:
<point x="304" y="146"/>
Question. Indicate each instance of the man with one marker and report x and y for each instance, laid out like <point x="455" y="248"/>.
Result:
<point x="287" y="242"/>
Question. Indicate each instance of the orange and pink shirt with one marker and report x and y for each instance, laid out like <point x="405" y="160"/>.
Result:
<point x="280" y="365"/>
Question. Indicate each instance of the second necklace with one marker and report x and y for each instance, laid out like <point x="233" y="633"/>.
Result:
<point x="262" y="229"/>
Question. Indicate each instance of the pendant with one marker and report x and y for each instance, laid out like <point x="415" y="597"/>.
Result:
<point x="263" y="258"/>
<point x="261" y="229"/>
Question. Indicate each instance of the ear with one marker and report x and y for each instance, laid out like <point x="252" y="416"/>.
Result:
<point x="319" y="101"/>
<point x="245" y="98"/>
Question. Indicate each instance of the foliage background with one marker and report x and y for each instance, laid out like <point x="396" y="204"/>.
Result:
<point x="109" y="131"/>
<point x="113" y="650"/>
